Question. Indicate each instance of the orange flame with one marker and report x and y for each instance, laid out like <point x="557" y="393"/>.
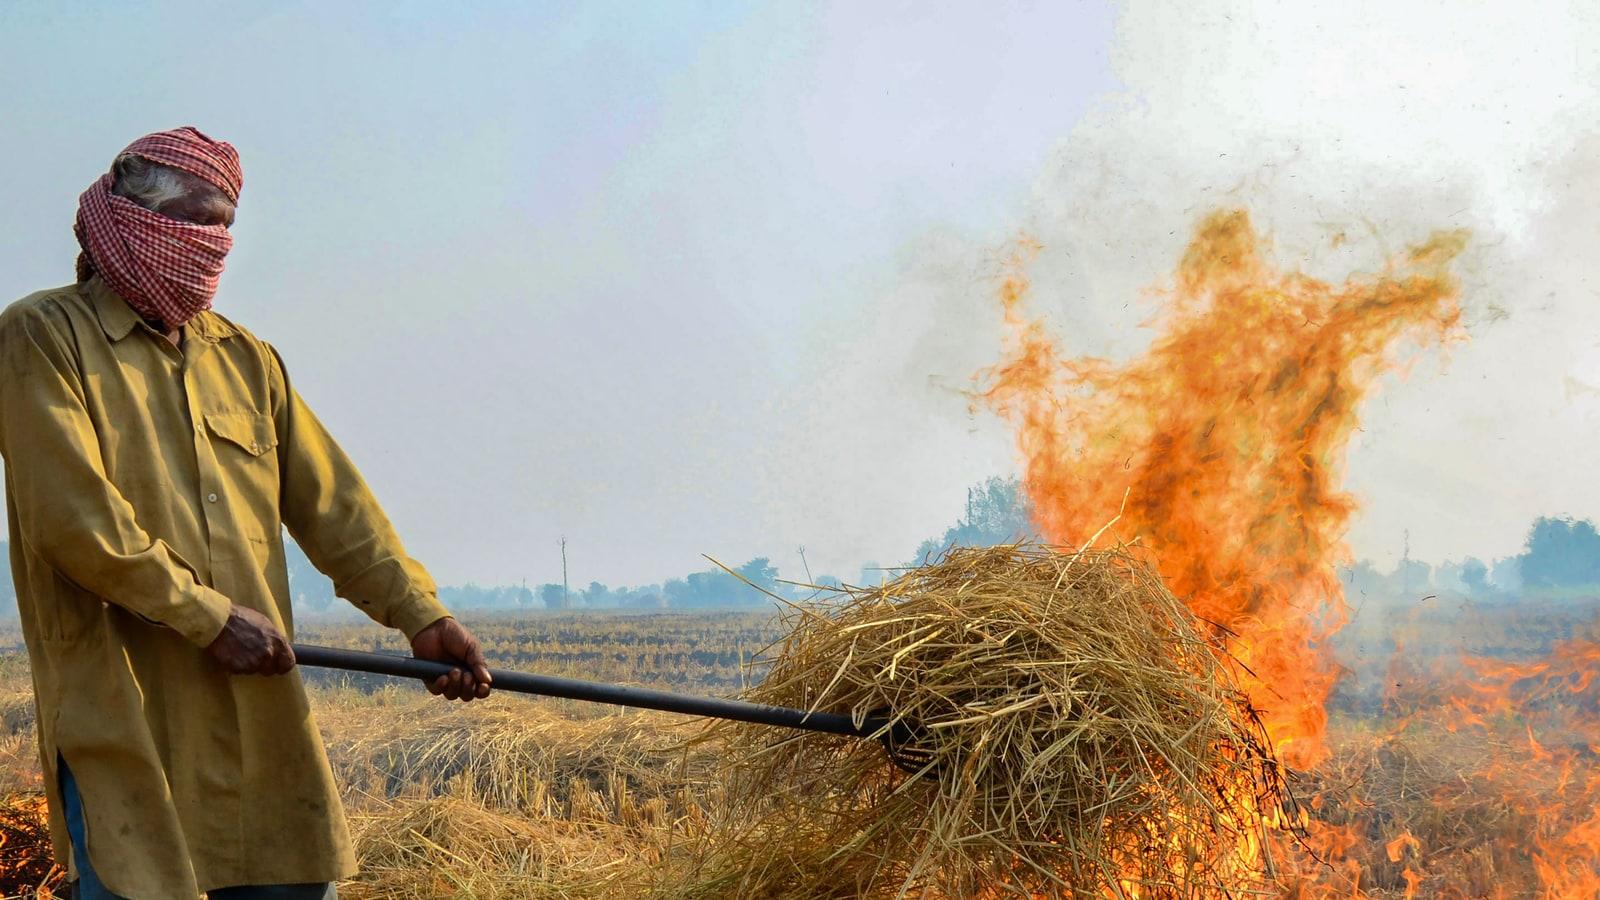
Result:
<point x="1396" y="849"/>
<point x="1555" y="775"/>
<point x="1221" y="451"/>
<point x="1227" y="439"/>
<point x="27" y="867"/>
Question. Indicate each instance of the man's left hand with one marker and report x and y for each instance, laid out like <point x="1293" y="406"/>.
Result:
<point x="448" y="641"/>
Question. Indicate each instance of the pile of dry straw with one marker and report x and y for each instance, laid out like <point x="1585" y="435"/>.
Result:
<point x="1083" y="738"/>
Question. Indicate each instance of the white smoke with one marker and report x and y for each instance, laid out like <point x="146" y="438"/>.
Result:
<point x="1348" y="131"/>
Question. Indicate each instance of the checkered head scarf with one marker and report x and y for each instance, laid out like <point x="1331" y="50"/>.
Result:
<point x="165" y="268"/>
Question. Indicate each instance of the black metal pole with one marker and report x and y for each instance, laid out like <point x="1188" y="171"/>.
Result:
<point x="593" y="691"/>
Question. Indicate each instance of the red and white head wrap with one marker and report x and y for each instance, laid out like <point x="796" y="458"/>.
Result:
<point x="165" y="268"/>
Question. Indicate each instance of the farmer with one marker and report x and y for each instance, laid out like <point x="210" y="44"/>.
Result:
<point x="154" y="453"/>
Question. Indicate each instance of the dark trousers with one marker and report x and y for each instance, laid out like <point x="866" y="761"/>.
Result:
<point x="89" y="887"/>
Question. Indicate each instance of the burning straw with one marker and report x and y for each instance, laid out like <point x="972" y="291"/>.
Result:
<point x="1083" y="738"/>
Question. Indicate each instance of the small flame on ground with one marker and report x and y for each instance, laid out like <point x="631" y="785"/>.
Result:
<point x="27" y="867"/>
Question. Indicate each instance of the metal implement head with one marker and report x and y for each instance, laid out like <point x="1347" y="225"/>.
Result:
<point x="907" y="745"/>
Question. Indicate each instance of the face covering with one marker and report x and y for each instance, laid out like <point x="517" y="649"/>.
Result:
<point x="164" y="268"/>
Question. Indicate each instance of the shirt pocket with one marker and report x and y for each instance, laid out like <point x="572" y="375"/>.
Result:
<point x="244" y="446"/>
<point x="250" y="433"/>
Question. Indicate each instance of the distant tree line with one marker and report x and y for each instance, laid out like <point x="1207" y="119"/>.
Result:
<point x="996" y="512"/>
<point x="1560" y="555"/>
<point x="712" y="588"/>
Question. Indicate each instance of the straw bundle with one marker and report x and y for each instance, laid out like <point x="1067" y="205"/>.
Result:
<point x="1083" y="736"/>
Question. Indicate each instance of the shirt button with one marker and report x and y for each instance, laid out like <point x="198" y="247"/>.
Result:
<point x="211" y="497"/>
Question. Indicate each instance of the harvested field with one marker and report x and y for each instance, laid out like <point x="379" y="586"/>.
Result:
<point x="517" y="797"/>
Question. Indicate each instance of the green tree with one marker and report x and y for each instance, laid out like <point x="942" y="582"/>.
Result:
<point x="1561" y="552"/>
<point x="759" y="572"/>
<point x="554" y="596"/>
<point x="1506" y="574"/>
<point x="998" y="512"/>
<point x="1410" y="578"/>
<point x="718" y="587"/>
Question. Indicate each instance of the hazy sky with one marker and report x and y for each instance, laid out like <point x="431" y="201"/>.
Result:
<point x="672" y="279"/>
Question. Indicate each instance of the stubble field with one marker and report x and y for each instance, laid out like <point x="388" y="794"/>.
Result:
<point x="526" y="797"/>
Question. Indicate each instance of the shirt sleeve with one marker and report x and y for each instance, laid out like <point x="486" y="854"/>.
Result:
<point x="333" y="516"/>
<point x="68" y="512"/>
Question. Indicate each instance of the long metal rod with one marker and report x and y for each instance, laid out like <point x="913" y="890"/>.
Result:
<point x="593" y="691"/>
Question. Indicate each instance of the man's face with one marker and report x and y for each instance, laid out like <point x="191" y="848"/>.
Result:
<point x="203" y="204"/>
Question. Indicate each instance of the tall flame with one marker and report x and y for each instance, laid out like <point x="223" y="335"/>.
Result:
<point x="1221" y="449"/>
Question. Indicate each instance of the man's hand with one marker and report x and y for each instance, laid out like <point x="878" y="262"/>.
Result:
<point x="448" y="641"/>
<point x="251" y="645"/>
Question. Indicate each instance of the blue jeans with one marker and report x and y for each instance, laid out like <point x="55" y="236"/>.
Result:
<point x="89" y="887"/>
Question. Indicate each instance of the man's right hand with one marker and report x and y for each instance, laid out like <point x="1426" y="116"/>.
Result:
<point x="251" y="645"/>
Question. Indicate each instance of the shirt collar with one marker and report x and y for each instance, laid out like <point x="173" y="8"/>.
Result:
<point x="209" y="326"/>
<point x="118" y="319"/>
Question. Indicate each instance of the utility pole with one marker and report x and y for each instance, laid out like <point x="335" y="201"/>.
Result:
<point x="566" y="603"/>
<point x="1405" y="566"/>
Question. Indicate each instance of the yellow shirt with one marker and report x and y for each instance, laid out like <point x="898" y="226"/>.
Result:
<point x="147" y="488"/>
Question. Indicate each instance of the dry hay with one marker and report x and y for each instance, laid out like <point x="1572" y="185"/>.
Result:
<point x="530" y="757"/>
<point x="515" y="798"/>
<point x="16" y="709"/>
<point x="449" y="847"/>
<point x="1087" y="739"/>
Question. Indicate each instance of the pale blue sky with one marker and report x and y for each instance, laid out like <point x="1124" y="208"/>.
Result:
<point x="674" y="278"/>
<point x="557" y="269"/>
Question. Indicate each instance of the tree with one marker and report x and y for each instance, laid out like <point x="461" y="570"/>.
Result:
<point x="873" y="575"/>
<point x="1561" y="552"/>
<point x="552" y="595"/>
<point x="759" y="572"/>
<point x="998" y="512"/>
<point x="1475" y="576"/>
<point x="471" y="596"/>
<point x="645" y="598"/>
<point x="1364" y="582"/>
<point x="718" y="587"/>
<point x="1411" y="578"/>
<point x="676" y="592"/>
<point x="1447" y="577"/>
<point x="1506" y="574"/>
